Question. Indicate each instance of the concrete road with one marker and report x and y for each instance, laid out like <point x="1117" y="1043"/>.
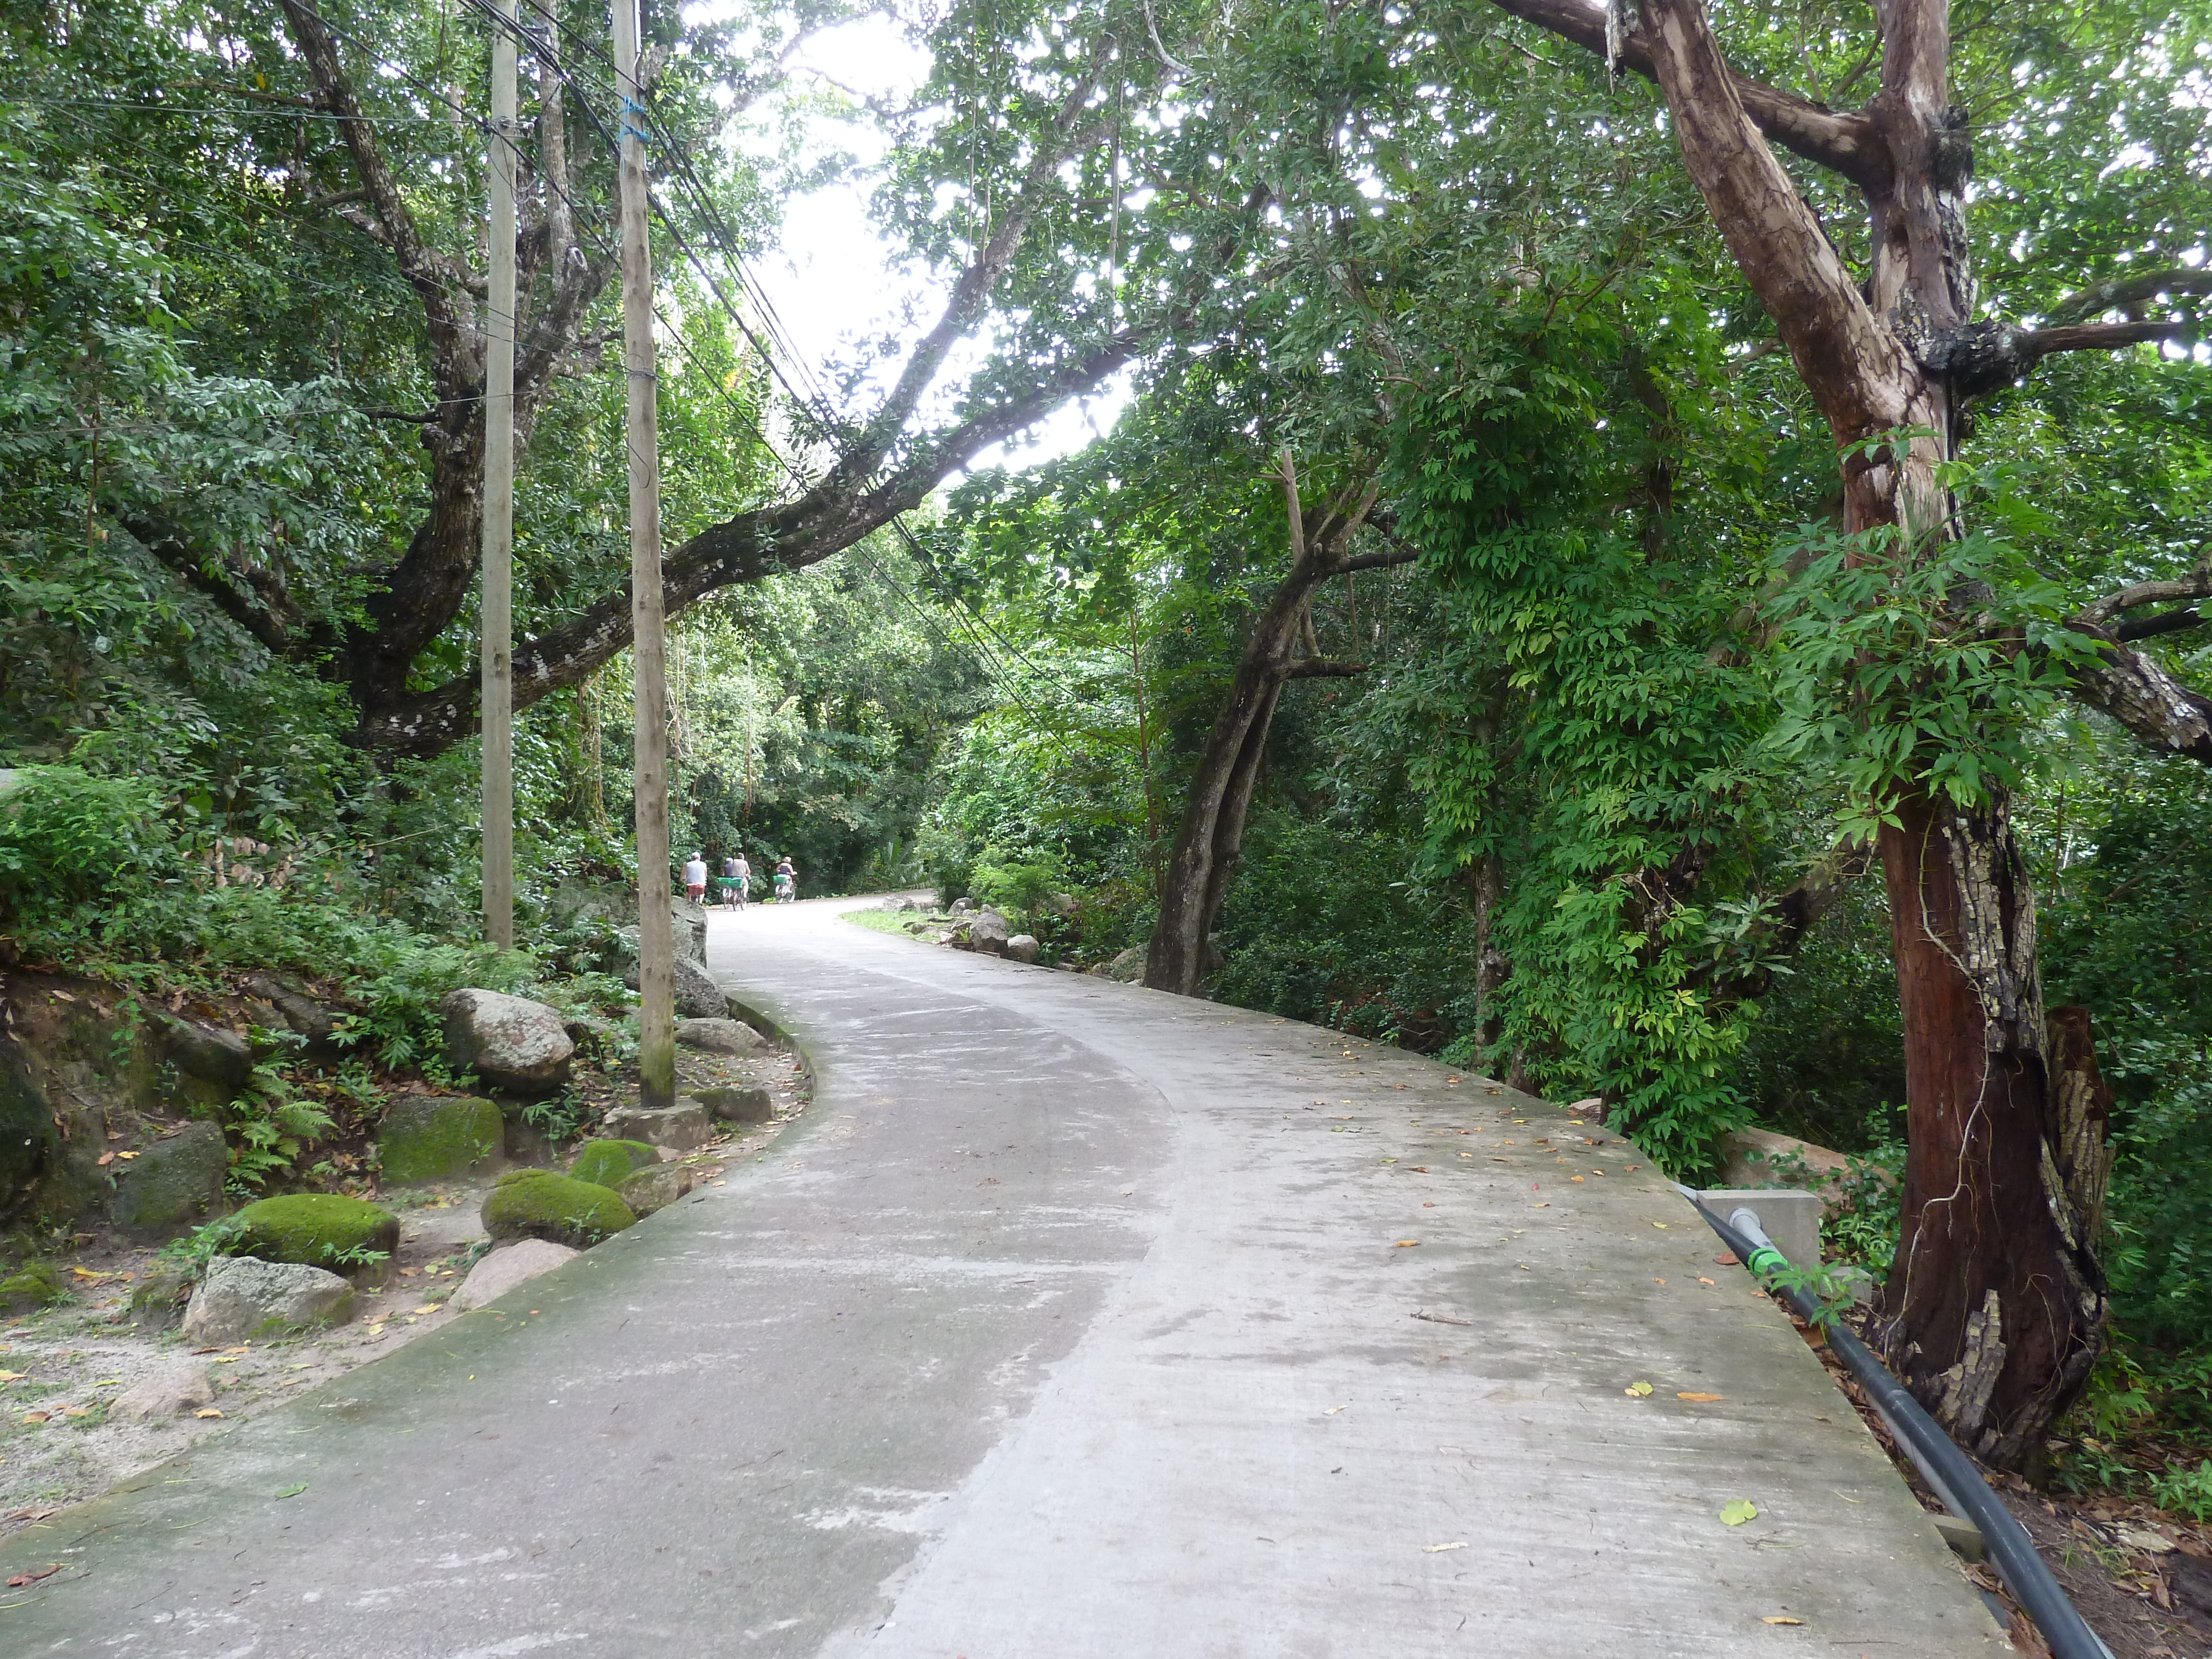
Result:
<point x="1077" y="1322"/>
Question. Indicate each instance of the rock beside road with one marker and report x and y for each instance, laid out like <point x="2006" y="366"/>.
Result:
<point x="1129" y="967"/>
<point x="752" y="1105"/>
<point x="539" y="1204"/>
<point x="607" y="1162"/>
<point x="1023" y="947"/>
<point x="244" y="1297"/>
<point x="505" y="1268"/>
<point x="320" y="1230"/>
<point x="987" y="932"/>
<point x="171" y="1393"/>
<point x="719" y="1037"/>
<point x="680" y="1127"/>
<point x="512" y="1043"/>
<point x="654" y="1187"/>
<point x="697" y="996"/>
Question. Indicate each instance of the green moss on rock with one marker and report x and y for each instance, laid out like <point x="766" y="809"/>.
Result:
<point x="604" y="1163"/>
<point x="539" y="1204"/>
<point x="38" y="1286"/>
<point x="319" y="1230"/>
<point x="426" y="1138"/>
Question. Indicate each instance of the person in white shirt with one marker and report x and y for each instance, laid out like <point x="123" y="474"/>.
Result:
<point x="694" y="878"/>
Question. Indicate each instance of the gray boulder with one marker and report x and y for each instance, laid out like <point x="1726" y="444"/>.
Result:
<point x="243" y="1296"/>
<point x="679" y="1128"/>
<point x="961" y="907"/>
<point x="1129" y="966"/>
<point x="719" y="1037"/>
<point x="505" y="1268"/>
<point x="163" y="1395"/>
<point x="512" y="1043"/>
<point x="301" y="1012"/>
<point x="1022" y="947"/>
<point x="697" y="996"/>
<point x="988" y="933"/>
<point x="209" y="1053"/>
<point x="655" y="1187"/>
<point x="737" y="1105"/>
<point x="172" y="1184"/>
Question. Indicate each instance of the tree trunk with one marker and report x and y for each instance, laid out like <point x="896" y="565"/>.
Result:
<point x="1208" y="842"/>
<point x="1993" y="1310"/>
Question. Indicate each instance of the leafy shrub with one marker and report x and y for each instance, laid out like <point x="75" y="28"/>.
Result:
<point x="70" y="837"/>
<point x="1011" y="885"/>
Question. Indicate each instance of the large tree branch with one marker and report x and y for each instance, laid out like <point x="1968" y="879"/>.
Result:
<point x="439" y="282"/>
<point x="1854" y="367"/>
<point x="1384" y="561"/>
<point x="2130" y="293"/>
<point x="1845" y="142"/>
<point x="255" y="615"/>
<point x="1982" y="357"/>
<point x="1323" y="668"/>
<point x="2136" y="690"/>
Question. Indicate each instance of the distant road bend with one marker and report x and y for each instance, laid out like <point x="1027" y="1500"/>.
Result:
<point x="1075" y="1322"/>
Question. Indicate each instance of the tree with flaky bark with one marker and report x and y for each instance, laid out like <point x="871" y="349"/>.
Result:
<point x="1995" y="1309"/>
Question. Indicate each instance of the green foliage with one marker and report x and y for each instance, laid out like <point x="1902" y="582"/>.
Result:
<point x="204" y="1243"/>
<point x="1012" y="886"/>
<point x="1889" y="686"/>
<point x="268" y="1127"/>
<point x="70" y="837"/>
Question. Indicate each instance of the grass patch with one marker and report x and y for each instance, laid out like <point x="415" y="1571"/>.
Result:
<point x="882" y="921"/>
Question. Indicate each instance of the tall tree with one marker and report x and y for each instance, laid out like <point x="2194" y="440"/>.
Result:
<point x="1995" y="1310"/>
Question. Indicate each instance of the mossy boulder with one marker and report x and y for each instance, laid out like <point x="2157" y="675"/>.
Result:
<point x="604" y="1163"/>
<point x="317" y="1230"/>
<point x="432" y="1138"/>
<point x="172" y="1184"/>
<point x="38" y="1286"/>
<point x="539" y="1204"/>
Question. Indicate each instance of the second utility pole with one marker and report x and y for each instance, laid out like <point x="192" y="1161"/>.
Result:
<point x="656" y="946"/>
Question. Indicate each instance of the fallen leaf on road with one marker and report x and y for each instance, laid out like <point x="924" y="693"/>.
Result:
<point x="1540" y="1207"/>
<point x="1702" y="1280"/>
<point x="23" y="1578"/>
<point x="1639" y="1389"/>
<point x="1658" y="1281"/>
<point x="292" y="1491"/>
<point x="428" y="1307"/>
<point x="1418" y="1168"/>
<point x="1439" y="1549"/>
<point x="13" y="1377"/>
<point x="104" y="1159"/>
<point x="1780" y="1619"/>
<point x="87" y="1272"/>
<point x="1405" y="1244"/>
<point x="1576" y="1179"/>
<point x="1659" y="1225"/>
<point x="1702" y="1399"/>
<point x="1428" y="1204"/>
<point x="35" y="1417"/>
<point x="1334" y="1410"/>
<point x="1439" y="1319"/>
<point x="1736" y="1511"/>
<point x="209" y="1412"/>
<point x="1726" y="1260"/>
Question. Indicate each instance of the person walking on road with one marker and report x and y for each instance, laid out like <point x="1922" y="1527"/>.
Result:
<point x="695" y="877"/>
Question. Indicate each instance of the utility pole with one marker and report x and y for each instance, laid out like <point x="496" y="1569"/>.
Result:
<point x="496" y="645"/>
<point x="656" y="946"/>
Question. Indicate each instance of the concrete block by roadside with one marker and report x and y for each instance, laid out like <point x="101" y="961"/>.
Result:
<point x="1791" y="1217"/>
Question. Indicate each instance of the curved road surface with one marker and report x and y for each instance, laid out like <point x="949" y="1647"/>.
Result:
<point x="1073" y="1322"/>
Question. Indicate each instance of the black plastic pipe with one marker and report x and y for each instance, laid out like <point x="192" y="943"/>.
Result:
<point x="1954" y="1475"/>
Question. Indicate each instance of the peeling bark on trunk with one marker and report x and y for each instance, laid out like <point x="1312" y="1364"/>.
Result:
<point x="1994" y="1307"/>
<point x="1995" y="1310"/>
